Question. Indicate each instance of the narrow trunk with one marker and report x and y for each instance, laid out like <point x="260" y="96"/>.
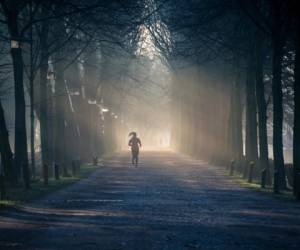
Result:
<point x="43" y="89"/>
<point x="183" y="125"/>
<point x="31" y="89"/>
<point x="180" y="122"/>
<point x="44" y="110"/>
<point x="21" y="156"/>
<point x="251" y="118"/>
<point x="278" y="41"/>
<point x="175" y="114"/>
<point x="5" y="149"/>
<point x="59" y="131"/>
<point x="32" y="128"/>
<point x="262" y="112"/>
<point x="230" y="154"/>
<point x="108" y="127"/>
<point x="237" y="126"/>
<point x="296" y="147"/>
<point x="191" y="124"/>
<point x="279" y="177"/>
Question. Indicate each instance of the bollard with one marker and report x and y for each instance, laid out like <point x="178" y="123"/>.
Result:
<point x="245" y="169"/>
<point x="297" y="186"/>
<point x="251" y="168"/>
<point x="95" y="160"/>
<point x="263" y="178"/>
<point x="231" y="171"/>
<point x="276" y="182"/>
<point x="78" y="163"/>
<point x="74" y="166"/>
<point x="56" y="171"/>
<point x="26" y="175"/>
<point x="65" y="170"/>
<point x="45" y="174"/>
<point x="228" y="166"/>
<point x="2" y="187"/>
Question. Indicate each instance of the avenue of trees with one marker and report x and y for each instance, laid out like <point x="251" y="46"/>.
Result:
<point x="61" y="61"/>
<point x="236" y="70"/>
<point x="76" y="66"/>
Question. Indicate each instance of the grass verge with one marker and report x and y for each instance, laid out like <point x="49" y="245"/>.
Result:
<point x="255" y="186"/>
<point x="17" y="195"/>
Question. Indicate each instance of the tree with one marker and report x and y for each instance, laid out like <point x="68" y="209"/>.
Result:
<point x="261" y="107"/>
<point x="296" y="138"/>
<point x="5" y="150"/>
<point x="12" y="10"/>
<point x="279" y="36"/>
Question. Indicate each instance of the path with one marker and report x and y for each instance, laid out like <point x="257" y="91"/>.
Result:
<point x="169" y="202"/>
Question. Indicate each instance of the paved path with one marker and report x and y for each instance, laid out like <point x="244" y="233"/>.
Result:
<point x="169" y="202"/>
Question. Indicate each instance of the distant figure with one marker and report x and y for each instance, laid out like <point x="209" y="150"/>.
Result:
<point x="135" y="144"/>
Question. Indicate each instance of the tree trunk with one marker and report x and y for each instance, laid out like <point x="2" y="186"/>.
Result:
<point x="5" y="149"/>
<point x="234" y="145"/>
<point x="262" y="111"/>
<point x="59" y="131"/>
<point x="175" y="113"/>
<point x="251" y="118"/>
<point x="296" y="146"/>
<point x="237" y="126"/>
<point x="32" y="128"/>
<point x="32" y="106"/>
<point x="230" y="130"/>
<point x="191" y="121"/>
<point x="21" y="156"/>
<point x="279" y="177"/>
<point x="278" y="41"/>
<point x="180" y="122"/>
<point x="44" y="96"/>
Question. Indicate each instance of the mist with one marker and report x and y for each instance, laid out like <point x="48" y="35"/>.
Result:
<point x="211" y="80"/>
<point x="149" y="124"/>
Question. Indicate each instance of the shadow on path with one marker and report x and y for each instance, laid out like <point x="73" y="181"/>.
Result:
<point x="169" y="202"/>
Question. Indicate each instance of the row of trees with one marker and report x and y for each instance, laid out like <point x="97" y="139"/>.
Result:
<point x="236" y="69"/>
<point x="234" y="64"/>
<point x="65" y="61"/>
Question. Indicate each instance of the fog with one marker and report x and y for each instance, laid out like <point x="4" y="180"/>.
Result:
<point x="203" y="78"/>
